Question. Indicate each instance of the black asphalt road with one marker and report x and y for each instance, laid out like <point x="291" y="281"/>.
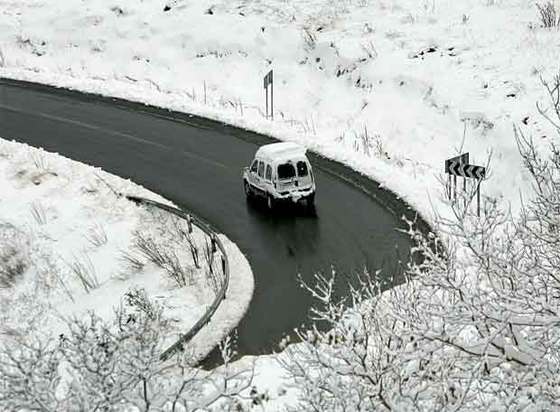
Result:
<point x="197" y="164"/>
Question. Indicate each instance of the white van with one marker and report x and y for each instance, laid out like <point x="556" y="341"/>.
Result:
<point x="280" y="171"/>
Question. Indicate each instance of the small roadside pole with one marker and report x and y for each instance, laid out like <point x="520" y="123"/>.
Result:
<point x="224" y="271"/>
<point x="213" y="243"/>
<point x="458" y="166"/>
<point x="204" y="91"/>
<point x="478" y="198"/>
<point x="268" y="80"/>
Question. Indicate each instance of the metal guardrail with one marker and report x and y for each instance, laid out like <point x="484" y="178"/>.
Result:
<point x="209" y="230"/>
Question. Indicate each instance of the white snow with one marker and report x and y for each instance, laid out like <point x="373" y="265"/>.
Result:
<point x="390" y="88"/>
<point x="238" y="297"/>
<point x="56" y="213"/>
<point x="272" y="388"/>
<point x="482" y="76"/>
<point x="283" y="150"/>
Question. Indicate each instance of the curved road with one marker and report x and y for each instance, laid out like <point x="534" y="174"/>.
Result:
<point x="197" y="164"/>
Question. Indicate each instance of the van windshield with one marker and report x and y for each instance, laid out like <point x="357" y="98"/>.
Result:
<point x="286" y="171"/>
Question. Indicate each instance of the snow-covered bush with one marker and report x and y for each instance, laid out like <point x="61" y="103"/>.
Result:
<point x="102" y="366"/>
<point x="83" y="270"/>
<point x="164" y="257"/>
<point x="97" y="236"/>
<point x="548" y="14"/>
<point x="138" y="300"/>
<point x="13" y="261"/>
<point x="475" y="326"/>
<point x="39" y="213"/>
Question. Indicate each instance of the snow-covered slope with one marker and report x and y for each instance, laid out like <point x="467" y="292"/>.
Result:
<point x="69" y="244"/>
<point x="390" y="88"/>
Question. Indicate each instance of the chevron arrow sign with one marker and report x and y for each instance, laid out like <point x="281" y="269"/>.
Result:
<point x="462" y="159"/>
<point x="466" y="170"/>
<point x="459" y="166"/>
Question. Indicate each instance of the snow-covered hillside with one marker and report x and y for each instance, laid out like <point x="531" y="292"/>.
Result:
<point x="390" y="88"/>
<point x="69" y="245"/>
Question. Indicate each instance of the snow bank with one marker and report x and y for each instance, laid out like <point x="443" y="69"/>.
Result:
<point x="61" y="218"/>
<point x="233" y="307"/>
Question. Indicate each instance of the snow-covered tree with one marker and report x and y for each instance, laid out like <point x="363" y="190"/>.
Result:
<point x="29" y="375"/>
<point x="100" y="366"/>
<point x="475" y="325"/>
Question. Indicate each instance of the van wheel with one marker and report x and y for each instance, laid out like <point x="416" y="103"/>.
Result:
<point x="310" y="202"/>
<point x="270" y="202"/>
<point x="247" y="190"/>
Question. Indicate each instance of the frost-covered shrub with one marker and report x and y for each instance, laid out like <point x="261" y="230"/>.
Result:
<point x="133" y="261"/>
<point x="38" y="212"/>
<point x="165" y="257"/>
<point x="13" y="261"/>
<point x="96" y="235"/>
<point x="12" y="266"/>
<point x="548" y="14"/>
<point x="84" y="272"/>
<point x="96" y="365"/>
<point x="174" y="247"/>
<point x="138" y="300"/>
<point x="475" y="326"/>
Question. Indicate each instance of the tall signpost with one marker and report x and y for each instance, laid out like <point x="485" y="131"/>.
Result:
<point x="268" y="80"/>
<point x="459" y="166"/>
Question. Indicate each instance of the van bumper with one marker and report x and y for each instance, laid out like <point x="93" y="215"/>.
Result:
<point x="297" y="196"/>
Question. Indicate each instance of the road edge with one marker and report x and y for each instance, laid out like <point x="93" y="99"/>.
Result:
<point x="390" y="200"/>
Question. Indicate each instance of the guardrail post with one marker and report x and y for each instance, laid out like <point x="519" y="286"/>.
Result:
<point x="179" y="346"/>
<point x="189" y="223"/>
<point x="213" y="243"/>
<point x="224" y="271"/>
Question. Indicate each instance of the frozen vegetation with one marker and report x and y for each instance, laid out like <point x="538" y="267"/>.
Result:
<point x="81" y="265"/>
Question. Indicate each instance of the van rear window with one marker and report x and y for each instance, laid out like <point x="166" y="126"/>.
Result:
<point x="286" y="171"/>
<point x="301" y="169"/>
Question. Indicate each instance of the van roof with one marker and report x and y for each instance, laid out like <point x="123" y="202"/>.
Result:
<point x="281" y="151"/>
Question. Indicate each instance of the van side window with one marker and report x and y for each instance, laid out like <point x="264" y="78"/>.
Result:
<point x="301" y="169"/>
<point x="268" y="175"/>
<point x="254" y="166"/>
<point x="261" y="169"/>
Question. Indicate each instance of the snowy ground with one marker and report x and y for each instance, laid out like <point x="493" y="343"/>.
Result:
<point x="416" y="75"/>
<point x="60" y="219"/>
<point x="391" y="88"/>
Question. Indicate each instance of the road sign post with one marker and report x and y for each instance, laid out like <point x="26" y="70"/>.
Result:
<point x="269" y="80"/>
<point x="459" y="166"/>
<point x="478" y="198"/>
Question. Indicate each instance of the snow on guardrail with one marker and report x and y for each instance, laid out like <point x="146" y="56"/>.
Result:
<point x="216" y="242"/>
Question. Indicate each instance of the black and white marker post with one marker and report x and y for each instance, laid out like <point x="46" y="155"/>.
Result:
<point x="268" y="80"/>
<point x="458" y="166"/>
